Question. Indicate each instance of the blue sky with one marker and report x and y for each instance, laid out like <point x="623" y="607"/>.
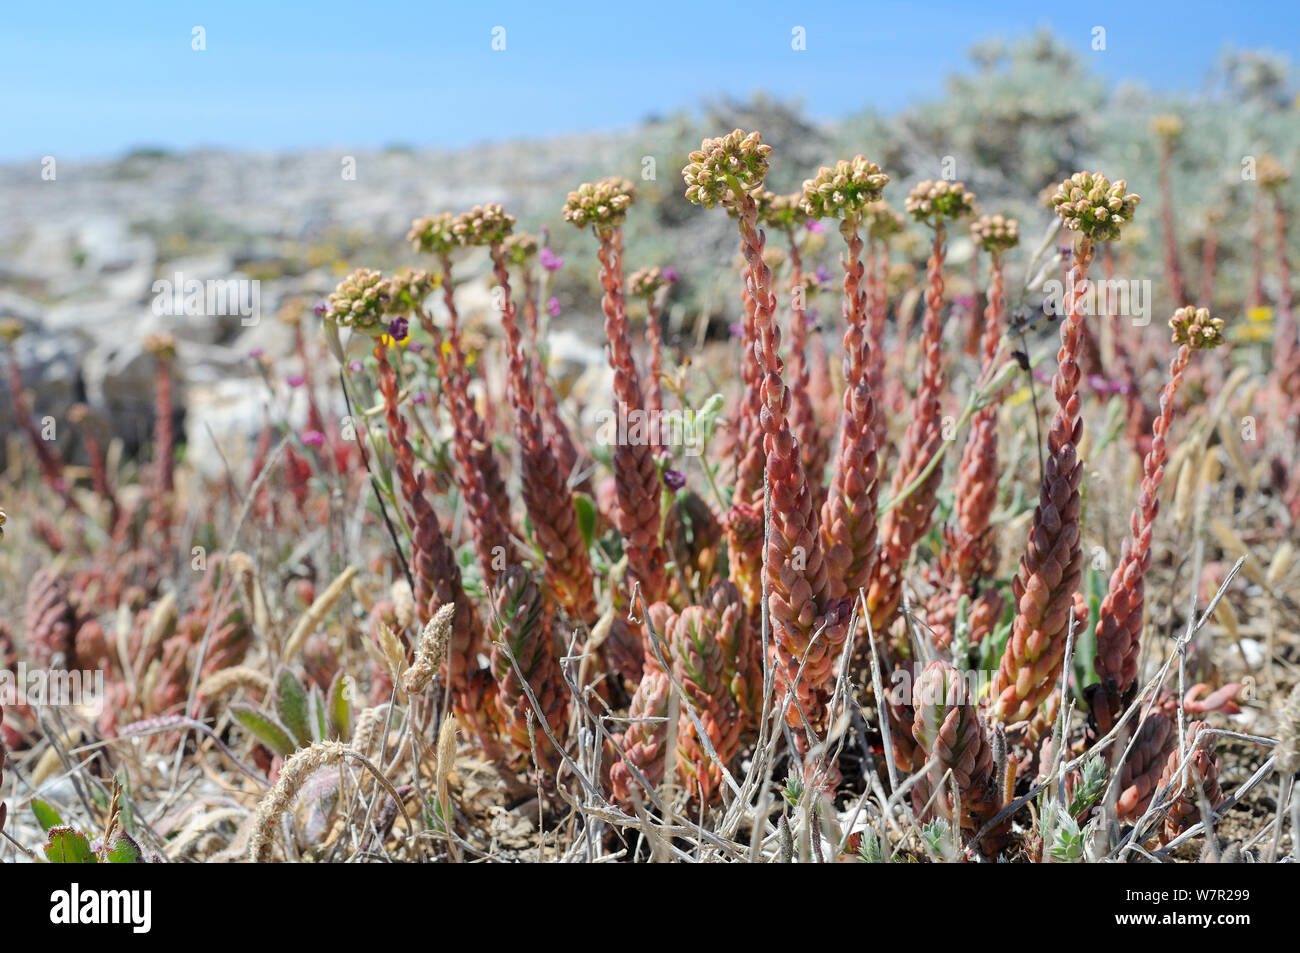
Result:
<point x="95" y="79"/>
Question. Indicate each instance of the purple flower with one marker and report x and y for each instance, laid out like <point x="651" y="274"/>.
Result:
<point x="823" y="275"/>
<point x="553" y="307"/>
<point x="415" y="347"/>
<point x="294" y="380"/>
<point x="319" y="309"/>
<point x="256" y="354"/>
<point x="550" y="261"/>
<point x="313" y="438"/>
<point x="354" y="367"/>
<point x="815" y="226"/>
<point x="674" y="479"/>
<point x="670" y="275"/>
<point x="420" y="397"/>
<point x="398" y="328"/>
<point x="736" y="329"/>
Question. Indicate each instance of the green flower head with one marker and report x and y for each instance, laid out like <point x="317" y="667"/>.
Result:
<point x="780" y="211"/>
<point x="719" y="166"/>
<point x="1090" y="203"/>
<point x="646" y="282"/>
<point x="433" y="234"/>
<point x="995" y="233"/>
<point x="601" y="205"/>
<point x="483" y="225"/>
<point x="360" y="301"/>
<point x="1270" y="173"/>
<point x="1167" y="126"/>
<point x="882" y="220"/>
<point x="1195" y="328"/>
<point x="408" y="288"/>
<point x="845" y="190"/>
<point x="933" y="203"/>
<point x="520" y="248"/>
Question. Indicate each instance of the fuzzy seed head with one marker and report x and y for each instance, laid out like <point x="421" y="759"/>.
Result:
<point x="483" y="225"/>
<point x="1090" y="203"/>
<point x="430" y="651"/>
<point x="433" y="234"/>
<point x="933" y="203"/>
<point x="844" y="191"/>
<point x="714" y="169"/>
<point x="995" y="233"/>
<point x="1195" y="328"/>
<point x="601" y="205"/>
<point x="360" y="301"/>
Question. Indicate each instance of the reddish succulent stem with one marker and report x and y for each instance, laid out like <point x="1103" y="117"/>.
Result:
<point x="547" y="497"/>
<point x="1286" y="328"/>
<point x="848" y="517"/>
<point x="99" y="474"/>
<point x="1256" y="298"/>
<point x="50" y="465"/>
<point x="636" y="477"/>
<point x="557" y="431"/>
<point x="1051" y="566"/>
<point x="491" y="537"/>
<point x="792" y="562"/>
<point x="908" y="521"/>
<point x="1209" y="263"/>
<point x="1120" y="617"/>
<point x="879" y="306"/>
<point x="811" y="445"/>
<point x="458" y="384"/>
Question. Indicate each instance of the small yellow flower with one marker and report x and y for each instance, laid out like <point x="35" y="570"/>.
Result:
<point x="1253" y="332"/>
<point x="339" y="267"/>
<point x="446" y="348"/>
<point x="1019" y="397"/>
<point x="1262" y="314"/>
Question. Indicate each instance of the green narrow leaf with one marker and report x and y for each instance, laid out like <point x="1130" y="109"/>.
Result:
<point x="291" y="706"/>
<point x="68" y="846"/>
<point x="264" y="728"/>
<point x="46" y="816"/>
<point x="587" y="517"/>
<point x="316" y="702"/>
<point x="339" y="709"/>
